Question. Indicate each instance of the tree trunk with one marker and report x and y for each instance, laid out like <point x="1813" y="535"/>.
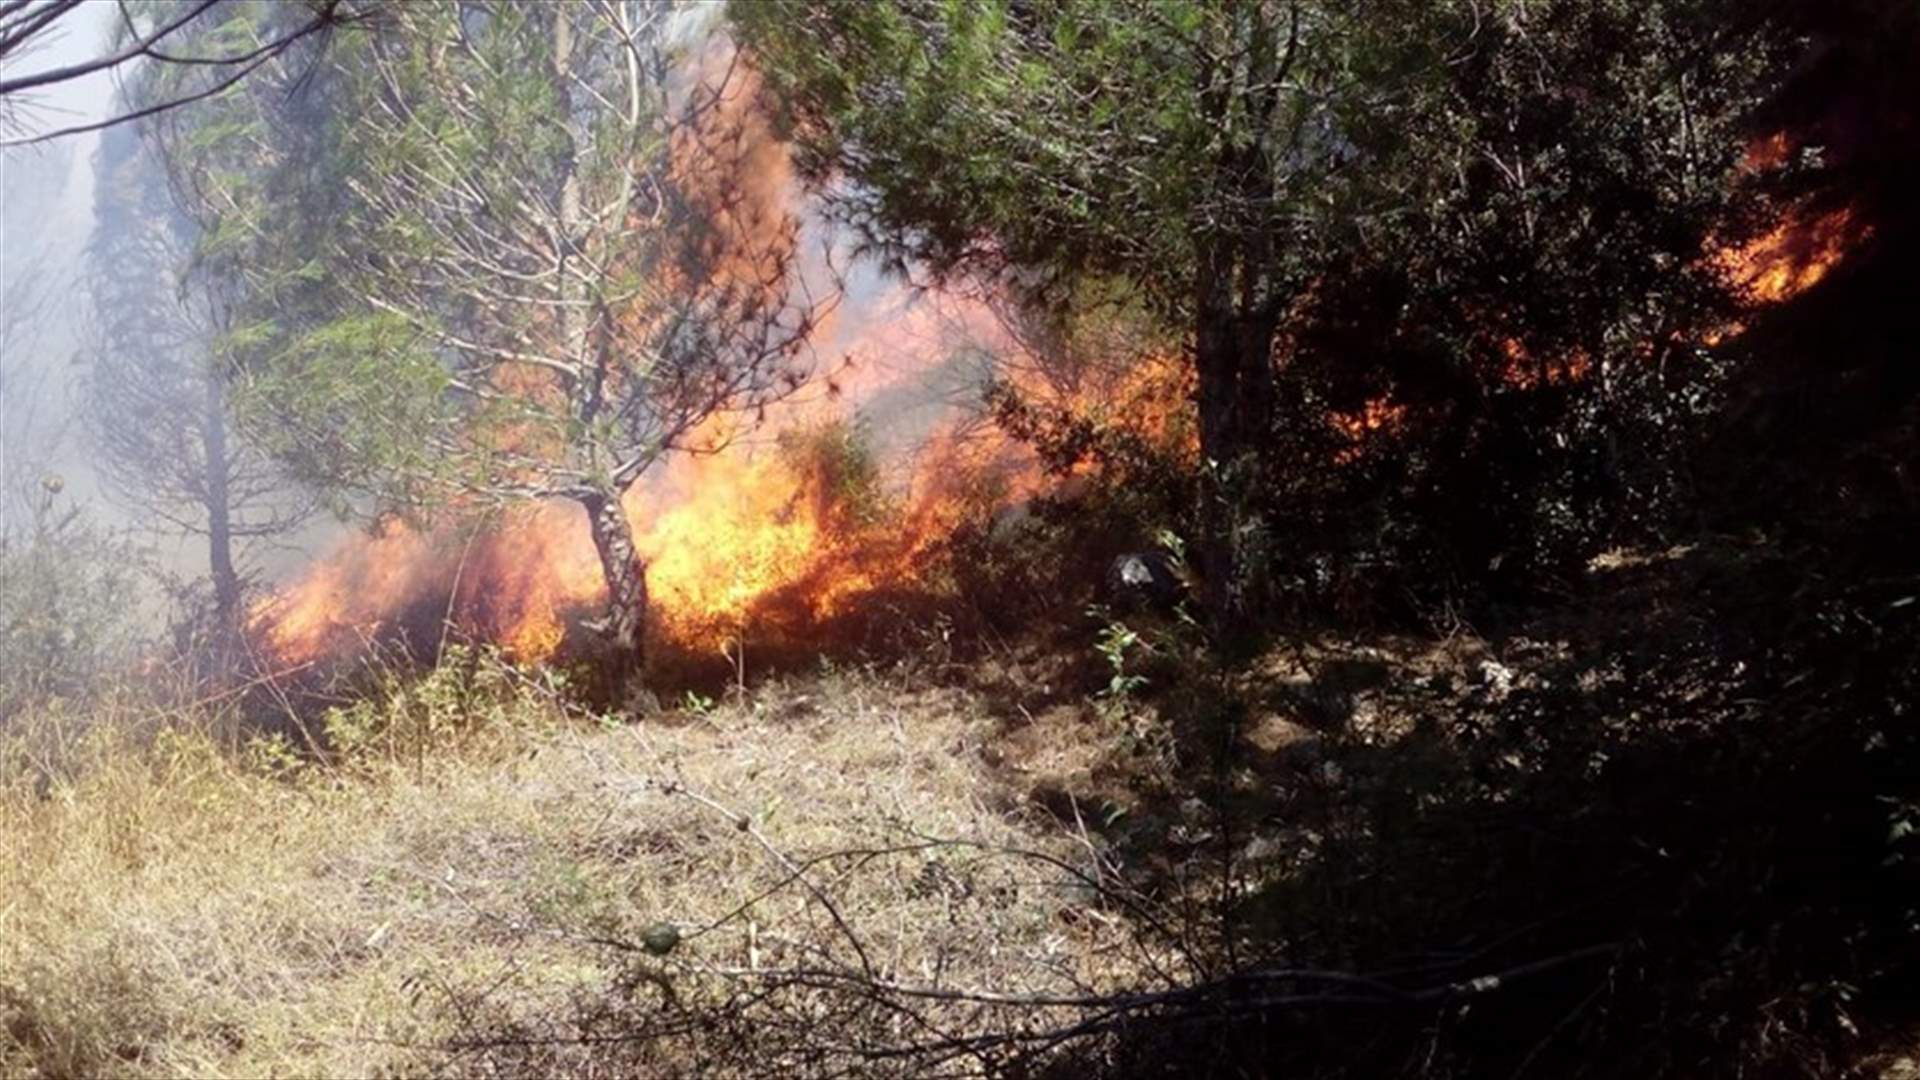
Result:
<point x="1233" y="354"/>
<point x="624" y="627"/>
<point x="226" y="580"/>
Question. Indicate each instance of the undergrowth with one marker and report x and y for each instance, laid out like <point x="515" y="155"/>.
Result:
<point x="1669" y="831"/>
<point x="458" y="878"/>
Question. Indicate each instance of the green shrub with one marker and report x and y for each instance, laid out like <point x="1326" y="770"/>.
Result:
<point x="69" y="590"/>
<point x="408" y="718"/>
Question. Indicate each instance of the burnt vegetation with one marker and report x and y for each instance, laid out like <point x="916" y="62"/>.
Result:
<point x="1421" y="584"/>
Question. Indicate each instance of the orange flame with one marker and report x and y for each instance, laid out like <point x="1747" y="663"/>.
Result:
<point x="725" y="536"/>
<point x="1378" y="414"/>
<point x="744" y="535"/>
<point x="1793" y="256"/>
<point x="722" y="533"/>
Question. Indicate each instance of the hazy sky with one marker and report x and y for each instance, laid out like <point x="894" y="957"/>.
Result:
<point x="46" y="222"/>
<point x="46" y="218"/>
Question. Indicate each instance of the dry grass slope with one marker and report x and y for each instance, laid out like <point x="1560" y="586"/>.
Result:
<point x="170" y="906"/>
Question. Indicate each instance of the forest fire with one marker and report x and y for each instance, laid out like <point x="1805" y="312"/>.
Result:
<point x="793" y="519"/>
<point x="794" y="522"/>
<point x="1378" y="414"/>
<point x="1800" y="249"/>
<point x="782" y="527"/>
<point x="1067" y="537"/>
<point x="1793" y="256"/>
<point x="783" y="519"/>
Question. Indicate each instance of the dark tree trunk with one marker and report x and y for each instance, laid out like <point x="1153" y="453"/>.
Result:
<point x="1216" y="359"/>
<point x="226" y="580"/>
<point x="624" y="626"/>
<point x="1237" y="307"/>
<point x="1233" y="354"/>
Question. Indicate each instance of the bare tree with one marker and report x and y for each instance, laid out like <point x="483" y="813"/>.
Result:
<point x="542" y="264"/>
<point x="156" y="405"/>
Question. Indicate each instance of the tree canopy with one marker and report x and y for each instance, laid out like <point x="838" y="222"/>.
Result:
<point x="1331" y="202"/>
<point x="508" y="258"/>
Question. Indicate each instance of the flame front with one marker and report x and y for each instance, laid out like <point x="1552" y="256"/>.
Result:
<point x="1793" y="256"/>
<point x="746" y="537"/>
<point x="730" y="539"/>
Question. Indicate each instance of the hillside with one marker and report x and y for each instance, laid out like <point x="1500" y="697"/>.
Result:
<point x="1026" y="539"/>
<point x="1009" y="867"/>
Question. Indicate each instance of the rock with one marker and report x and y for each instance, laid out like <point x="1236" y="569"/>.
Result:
<point x="1496" y="679"/>
<point x="1145" y="579"/>
<point x="660" y="938"/>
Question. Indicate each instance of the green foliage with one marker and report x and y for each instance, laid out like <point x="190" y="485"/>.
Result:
<point x="469" y="699"/>
<point x="1067" y="133"/>
<point x="836" y="466"/>
<point x="1091" y="138"/>
<point x="480" y="252"/>
<point x="348" y="404"/>
<point x="1113" y="643"/>
<point x="69" y="589"/>
<point x="1442" y="207"/>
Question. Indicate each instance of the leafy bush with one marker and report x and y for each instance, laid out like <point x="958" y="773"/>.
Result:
<point x="835" y="465"/>
<point x="407" y="718"/>
<point x="69" y="592"/>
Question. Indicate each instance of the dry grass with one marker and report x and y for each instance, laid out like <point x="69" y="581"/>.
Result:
<point x="461" y="889"/>
<point x="170" y="907"/>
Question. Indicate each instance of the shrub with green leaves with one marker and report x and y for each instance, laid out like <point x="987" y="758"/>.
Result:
<point x="409" y="718"/>
<point x="69" y="590"/>
<point x="836" y="466"/>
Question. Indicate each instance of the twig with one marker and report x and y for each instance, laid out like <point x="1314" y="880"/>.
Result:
<point x="453" y="594"/>
<point x="745" y="824"/>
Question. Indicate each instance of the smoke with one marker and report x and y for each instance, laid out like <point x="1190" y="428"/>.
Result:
<point x="46" y="218"/>
<point x="48" y="226"/>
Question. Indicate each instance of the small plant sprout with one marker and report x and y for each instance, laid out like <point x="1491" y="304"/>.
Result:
<point x="1116" y="639"/>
